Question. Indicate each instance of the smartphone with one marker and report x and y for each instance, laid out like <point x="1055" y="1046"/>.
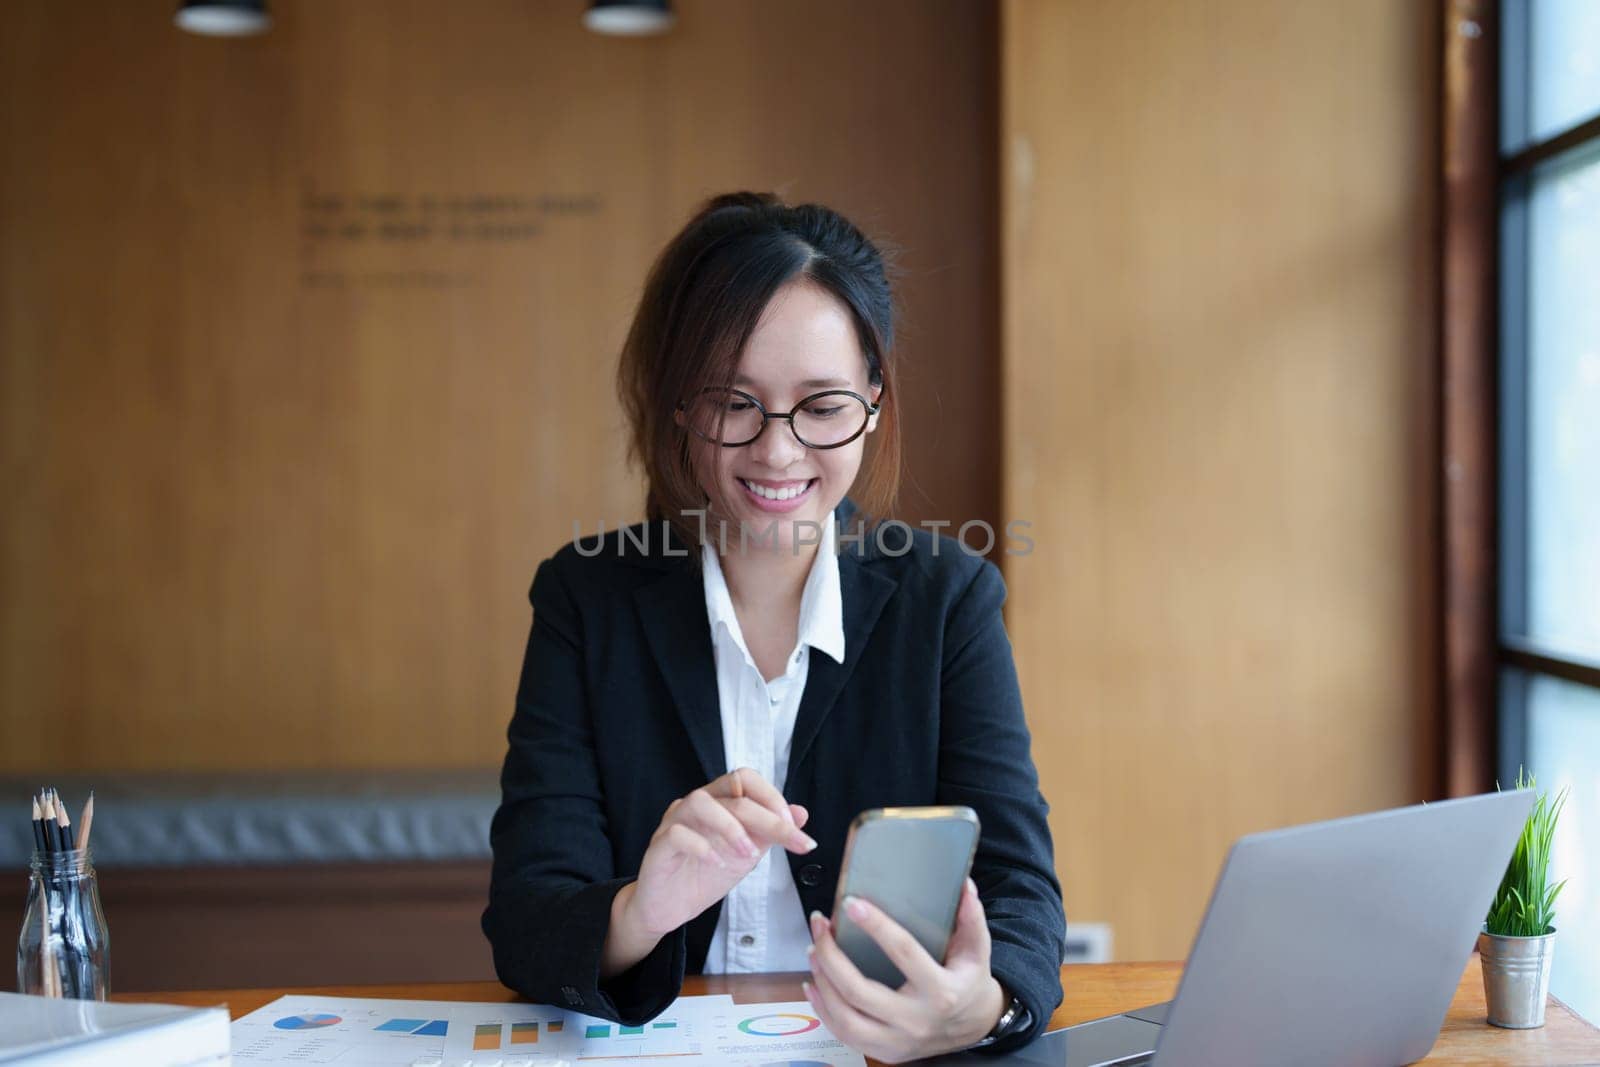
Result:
<point x="913" y="864"/>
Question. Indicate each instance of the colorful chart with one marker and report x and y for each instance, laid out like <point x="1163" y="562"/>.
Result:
<point x="785" y="1034"/>
<point x="487" y="1036"/>
<point x="661" y="1038"/>
<point x="595" y="1032"/>
<point x="415" y="1027"/>
<point x="311" y="1021"/>
<point x="404" y="1026"/>
<point x="783" y="1024"/>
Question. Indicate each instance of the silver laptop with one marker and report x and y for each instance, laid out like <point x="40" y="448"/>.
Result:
<point x="1338" y="942"/>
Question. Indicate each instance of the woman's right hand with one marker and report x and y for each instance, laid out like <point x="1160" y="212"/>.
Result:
<point x="707" y="842"/>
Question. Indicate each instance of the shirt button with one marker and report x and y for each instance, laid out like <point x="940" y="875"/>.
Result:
<point x="747" y="940"/>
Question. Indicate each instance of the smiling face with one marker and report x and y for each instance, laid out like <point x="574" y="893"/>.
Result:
<point x="805" y="342"/>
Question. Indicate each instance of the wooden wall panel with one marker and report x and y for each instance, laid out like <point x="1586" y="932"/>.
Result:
<point x="1218" y="307"/>
<point x="273" y="497"/>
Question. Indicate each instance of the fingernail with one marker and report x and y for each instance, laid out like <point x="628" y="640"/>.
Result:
<point x="810" y="842"/>
<point x="811" y="950"/>
<point x="855" y="908"/>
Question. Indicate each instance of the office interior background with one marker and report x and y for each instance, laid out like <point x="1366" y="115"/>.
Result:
<point x="1276" y="322"/>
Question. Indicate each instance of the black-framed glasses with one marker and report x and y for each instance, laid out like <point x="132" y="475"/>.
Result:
<point x="732" y="417"/>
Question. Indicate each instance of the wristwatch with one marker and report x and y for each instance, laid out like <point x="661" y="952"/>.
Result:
<point x="1014" y="1020"/>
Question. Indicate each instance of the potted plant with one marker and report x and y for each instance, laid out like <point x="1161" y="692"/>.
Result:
<point x="1518" y="938"/>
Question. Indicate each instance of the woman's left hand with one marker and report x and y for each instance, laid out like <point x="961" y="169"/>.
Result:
<point x="938" y="1009"/>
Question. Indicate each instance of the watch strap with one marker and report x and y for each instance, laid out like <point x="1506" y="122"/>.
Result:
<point x="1014" y="1019"/>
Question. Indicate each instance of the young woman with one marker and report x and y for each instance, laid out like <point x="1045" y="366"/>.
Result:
<point x="709" y="698"/>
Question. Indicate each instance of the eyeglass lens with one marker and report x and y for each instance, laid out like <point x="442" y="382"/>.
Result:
<point x="731" y="418"/>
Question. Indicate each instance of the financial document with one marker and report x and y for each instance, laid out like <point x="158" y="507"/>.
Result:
<point x="693" y="1031"/>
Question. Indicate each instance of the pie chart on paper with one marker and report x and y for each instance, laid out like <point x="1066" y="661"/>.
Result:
<point x="313" y="1021"/>
<point x="782" y="1024"/>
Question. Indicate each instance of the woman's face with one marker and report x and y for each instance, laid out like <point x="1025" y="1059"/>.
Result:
<point x="804" y="343"/>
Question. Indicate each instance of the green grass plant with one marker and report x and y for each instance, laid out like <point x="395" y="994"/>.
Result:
<point x="1525" y="904"/>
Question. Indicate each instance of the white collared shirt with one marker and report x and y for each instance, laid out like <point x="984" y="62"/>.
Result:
<point x="763" y="924"/>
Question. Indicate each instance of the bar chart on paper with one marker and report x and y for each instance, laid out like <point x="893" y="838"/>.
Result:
<point x="353" y="1032"/>
<point x="527" y="1037"/>
<point x="529" y="1032"/>
<point x="660" y="1038"/>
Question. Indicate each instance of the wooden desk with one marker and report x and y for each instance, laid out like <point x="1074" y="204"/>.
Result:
<point x="1092" y="990"/>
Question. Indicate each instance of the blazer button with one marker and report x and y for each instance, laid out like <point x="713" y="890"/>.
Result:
<point x="811" y="874"/>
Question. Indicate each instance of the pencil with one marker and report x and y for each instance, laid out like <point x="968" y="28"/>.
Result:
<point x="85" y="978"/>
<point x="52" y="840"/>
<point x="38" y="826"/>
<point x="69" y="899"/>
<point x="49" y="984"/>
<point x="85" y="821"/>
<point x="63" y="825"/>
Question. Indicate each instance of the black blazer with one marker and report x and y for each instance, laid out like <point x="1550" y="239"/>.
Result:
<point x="617" y="715"/>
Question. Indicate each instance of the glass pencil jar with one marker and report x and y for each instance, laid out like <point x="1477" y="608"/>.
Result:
<point x="64" y="948"/>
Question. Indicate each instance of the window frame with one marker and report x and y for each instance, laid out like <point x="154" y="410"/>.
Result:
<point x="1487" y="661"/>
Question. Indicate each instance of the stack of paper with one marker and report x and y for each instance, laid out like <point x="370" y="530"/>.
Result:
<point x="55" y="1032"/>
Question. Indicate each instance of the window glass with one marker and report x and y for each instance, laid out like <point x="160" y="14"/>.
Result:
<point x="1551" y="63"/>
<point x="1563" y="751"/>
<point x="1562" y="428"/>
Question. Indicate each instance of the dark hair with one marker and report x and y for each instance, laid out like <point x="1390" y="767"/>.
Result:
<point x="701" y="302"/>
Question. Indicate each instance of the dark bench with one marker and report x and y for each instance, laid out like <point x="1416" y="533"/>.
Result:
<point x="213" y="881"/>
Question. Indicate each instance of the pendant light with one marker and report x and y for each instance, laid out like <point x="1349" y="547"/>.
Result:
<point x="223" y="18"/>
<point x="629" y="18"/>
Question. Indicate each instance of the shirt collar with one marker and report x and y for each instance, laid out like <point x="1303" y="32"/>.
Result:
<point x="821" y="602"/>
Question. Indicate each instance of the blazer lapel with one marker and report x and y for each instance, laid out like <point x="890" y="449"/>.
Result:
<point x="864" y="593"/>
<point x="673" y="611"/>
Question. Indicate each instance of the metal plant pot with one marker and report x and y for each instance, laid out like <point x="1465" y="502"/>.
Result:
<point x="1516" y="977"/>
